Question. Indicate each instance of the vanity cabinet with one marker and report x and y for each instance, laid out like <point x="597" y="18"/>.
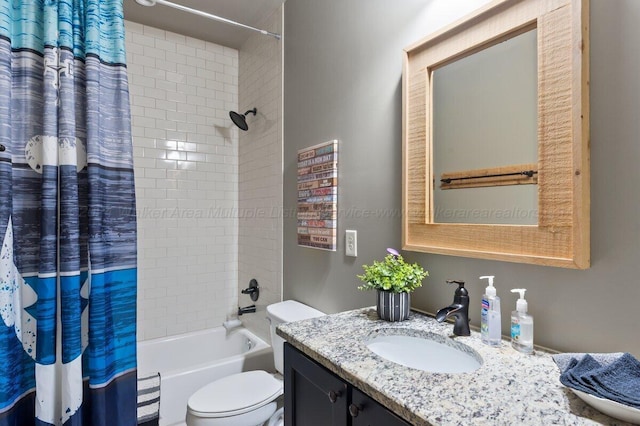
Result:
<point x="314" y="396"/>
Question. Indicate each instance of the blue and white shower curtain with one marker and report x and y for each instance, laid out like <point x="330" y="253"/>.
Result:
<point x="67" y="216"/>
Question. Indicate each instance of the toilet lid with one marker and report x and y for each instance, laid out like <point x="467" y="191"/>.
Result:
<point x="235" y="394"/>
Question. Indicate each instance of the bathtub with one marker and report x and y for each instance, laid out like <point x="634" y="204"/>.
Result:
<point x="189" y="361"/>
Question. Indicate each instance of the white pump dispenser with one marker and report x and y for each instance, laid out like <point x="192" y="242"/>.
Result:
<point x="490" y="318"/>
<point x="521" y="325"/>
<point x="490" y="290"/>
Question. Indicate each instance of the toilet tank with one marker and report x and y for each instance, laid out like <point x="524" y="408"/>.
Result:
<point x="287" y="311"/>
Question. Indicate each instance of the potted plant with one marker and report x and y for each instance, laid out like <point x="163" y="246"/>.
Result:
<point x="393" y="279"/>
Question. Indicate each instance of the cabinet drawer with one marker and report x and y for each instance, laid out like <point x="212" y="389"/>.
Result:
<point x="365" y="411"/>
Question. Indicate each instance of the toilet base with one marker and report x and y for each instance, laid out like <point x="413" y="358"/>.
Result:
<point x="277" y="419"/>
<point x="256" y="417"/>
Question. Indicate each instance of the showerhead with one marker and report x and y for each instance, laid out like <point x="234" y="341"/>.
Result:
<point x="240" y="120"/>
<point x="146" y="2"/>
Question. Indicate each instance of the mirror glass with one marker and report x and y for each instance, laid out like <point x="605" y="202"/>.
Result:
<point x="485" y="117"/>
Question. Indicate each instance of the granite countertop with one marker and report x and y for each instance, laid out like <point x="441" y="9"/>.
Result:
<point x="509" y="388"/>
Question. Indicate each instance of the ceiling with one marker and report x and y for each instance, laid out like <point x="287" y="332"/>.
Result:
<point x="248" y="12"/>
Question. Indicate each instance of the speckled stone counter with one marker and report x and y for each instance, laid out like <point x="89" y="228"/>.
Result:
<point x="509" y="388"/>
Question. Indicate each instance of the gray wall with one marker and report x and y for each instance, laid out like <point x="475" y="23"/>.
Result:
<point x="342" y="79"/>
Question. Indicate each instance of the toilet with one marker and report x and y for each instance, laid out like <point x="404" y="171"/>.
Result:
<point x="249" y="398"/>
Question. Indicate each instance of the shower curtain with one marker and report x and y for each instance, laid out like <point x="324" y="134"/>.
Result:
<point x="67" y="216"/>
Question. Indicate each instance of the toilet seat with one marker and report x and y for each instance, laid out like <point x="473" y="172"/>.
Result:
<point x="235" y="394"/>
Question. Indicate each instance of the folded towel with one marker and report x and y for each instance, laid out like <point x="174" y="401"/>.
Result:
<point x="149" y="400"/>
<point x="563" y="360"/>
<point x="576" y="370"/>
<point x="612" y="376"/>
<point x="620" y="381"/>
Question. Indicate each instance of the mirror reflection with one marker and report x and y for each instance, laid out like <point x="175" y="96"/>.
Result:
<point x="484" y="119"/>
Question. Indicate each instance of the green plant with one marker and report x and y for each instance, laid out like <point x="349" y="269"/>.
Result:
<point x="392" y="274"/>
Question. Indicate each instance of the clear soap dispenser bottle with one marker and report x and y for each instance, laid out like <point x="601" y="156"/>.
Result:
<point x="521" y="325"/>
<point x="490" y="318"/>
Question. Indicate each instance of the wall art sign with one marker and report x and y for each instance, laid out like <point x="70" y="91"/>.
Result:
<point x="318" y="196"/>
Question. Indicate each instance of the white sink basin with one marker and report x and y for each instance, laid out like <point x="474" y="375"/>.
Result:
<point x="425" y="353"/>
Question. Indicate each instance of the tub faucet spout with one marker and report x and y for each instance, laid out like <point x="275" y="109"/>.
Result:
<point x="246" y="310"/>
<point x="459" y="309"/>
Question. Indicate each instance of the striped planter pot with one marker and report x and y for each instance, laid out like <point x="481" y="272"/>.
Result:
<point x="393" y="306"/>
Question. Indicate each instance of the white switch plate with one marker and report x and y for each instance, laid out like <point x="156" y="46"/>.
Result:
<point x="351" y="242"/>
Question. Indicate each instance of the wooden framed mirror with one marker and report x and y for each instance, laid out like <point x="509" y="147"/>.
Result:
<point x="559" y="234"/>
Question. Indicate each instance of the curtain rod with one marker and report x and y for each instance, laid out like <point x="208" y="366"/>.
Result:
<point x="206" y="15"/>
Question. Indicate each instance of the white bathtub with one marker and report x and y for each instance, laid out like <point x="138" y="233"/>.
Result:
<point x="189" y="361"/>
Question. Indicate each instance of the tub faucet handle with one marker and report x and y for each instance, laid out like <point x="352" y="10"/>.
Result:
<point x="253" y="290"/>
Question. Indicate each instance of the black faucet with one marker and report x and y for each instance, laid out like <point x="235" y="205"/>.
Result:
<point x="246" y="309"/>
<point x="458" y="309"/>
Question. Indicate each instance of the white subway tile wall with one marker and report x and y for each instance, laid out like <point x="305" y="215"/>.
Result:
<point x="186" y="166"/>
<point x="260" y="172"/>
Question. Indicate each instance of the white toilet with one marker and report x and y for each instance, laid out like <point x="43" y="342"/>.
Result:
<point x="249" y="398"/>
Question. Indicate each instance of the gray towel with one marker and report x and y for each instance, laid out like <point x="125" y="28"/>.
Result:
<point x="612" y="376"/>
<point x="563" y="360"/>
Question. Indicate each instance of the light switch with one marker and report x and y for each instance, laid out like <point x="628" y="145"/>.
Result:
<point x="351" y="243"/>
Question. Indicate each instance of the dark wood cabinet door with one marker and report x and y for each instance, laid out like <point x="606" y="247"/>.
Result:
<point x="313" y="396"/>
<point x="364" y="411"/>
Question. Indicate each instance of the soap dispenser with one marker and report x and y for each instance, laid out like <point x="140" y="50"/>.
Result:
<point x="490" y="318"/>
<point x="521" y="325"/>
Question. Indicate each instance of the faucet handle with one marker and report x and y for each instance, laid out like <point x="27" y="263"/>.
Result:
<point x="460" y="291"/>
<point x="253" y="290"/>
